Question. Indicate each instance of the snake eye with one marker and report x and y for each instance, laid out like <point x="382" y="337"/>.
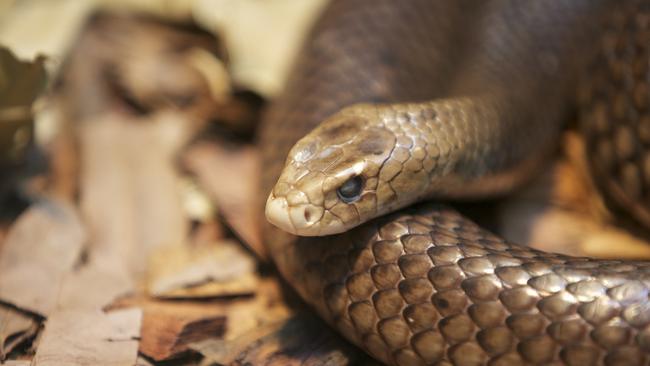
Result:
<point x="350" y="190"/>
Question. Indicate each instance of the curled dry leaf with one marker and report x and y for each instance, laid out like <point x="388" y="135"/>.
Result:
<point x="15" y="327"/>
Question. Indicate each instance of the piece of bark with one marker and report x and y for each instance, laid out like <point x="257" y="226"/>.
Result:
<point x="230" y="177"/>
<point x="217" y="269"/>
<point x="41" y="247"/>
<point x="15" y="328"/>
<point x="300" y="340"/>
<point x="90" y="338"/>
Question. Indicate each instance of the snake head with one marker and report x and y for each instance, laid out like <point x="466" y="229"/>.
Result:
<point x="330" y="179"/>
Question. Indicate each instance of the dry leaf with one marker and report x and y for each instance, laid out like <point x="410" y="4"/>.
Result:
<point x="17" y="363"/>
<point x="130" y="194"/>
<point x="41" y="247"/>
<point x="220" y="269"/>
<point x="167" y="329"/>
<point x="301" y="340"/>
<point x="168" y="326"/>
<point x="230" y="177"/>
<point x="20" y="84"/>
<point x="225" y="352"/>
<point x="15" y="327"/>
<point x="262" y="64"/>
<point x="20" y="81"/>
<point x="95" y="285"/>
<point x="90" y="338"/>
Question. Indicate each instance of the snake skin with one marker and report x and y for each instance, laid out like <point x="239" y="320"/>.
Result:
<point x="426" y="286"/>
<point x="616" y="122"/>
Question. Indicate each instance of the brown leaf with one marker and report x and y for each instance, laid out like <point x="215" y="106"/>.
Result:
<point x="167" y="329"/>
<point x="219" y="269"/>
<point x="95" y="285"/>
<point x="300" y="340"/>
<point x="15" y="327"/>
<point x="41" y="247"/>
<point x="20" y="84"/>
<point x="17" y="363"/>
<point x="168" y="326"/>
<point x="230" y="176"/>
<point x="130" y="194"/>
<point x="90" y="338"/>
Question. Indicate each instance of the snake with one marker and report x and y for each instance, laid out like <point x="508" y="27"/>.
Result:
<point x="392" y="108"/>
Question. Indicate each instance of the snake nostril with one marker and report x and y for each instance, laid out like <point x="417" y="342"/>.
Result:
<point x="307" y="215"/>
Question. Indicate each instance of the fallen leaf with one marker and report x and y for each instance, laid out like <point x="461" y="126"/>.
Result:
<point x="230" y="177"/>
<point x="220" y="269"/>
<point x="15" y="328"/>
<point x="300" y="340"/>
<point x="17" y="363"/>
<point x="41" y="247"/>
<point x="95" y="285"/>
<point x="130" y="195"/>
<point x="90" y="338"/>
<point x="20" y="83"/>
<point x="167" y="329"/>
<point x="167" y="325"/>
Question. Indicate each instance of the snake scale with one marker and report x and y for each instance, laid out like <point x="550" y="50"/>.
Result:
<point x="415" y="100"/>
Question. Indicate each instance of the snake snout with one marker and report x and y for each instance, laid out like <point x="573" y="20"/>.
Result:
<point x="300" y="219"/>
<point x="277" y="212"/>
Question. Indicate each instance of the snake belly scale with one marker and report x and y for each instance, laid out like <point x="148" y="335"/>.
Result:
<point x="394" y="103"/>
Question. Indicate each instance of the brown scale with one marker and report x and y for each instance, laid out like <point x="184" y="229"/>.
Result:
<point x="616" y="123"/>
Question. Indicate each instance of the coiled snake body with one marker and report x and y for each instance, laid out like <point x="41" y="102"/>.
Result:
<point x="467" y="99"/>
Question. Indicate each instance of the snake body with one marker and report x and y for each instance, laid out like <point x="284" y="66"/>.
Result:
<point x="466" y="99"/>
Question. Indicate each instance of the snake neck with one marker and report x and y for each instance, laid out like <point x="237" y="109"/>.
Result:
<point x="463" y="147"/>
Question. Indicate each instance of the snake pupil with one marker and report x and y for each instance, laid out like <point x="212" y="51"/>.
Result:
<point x="350" y="190"/>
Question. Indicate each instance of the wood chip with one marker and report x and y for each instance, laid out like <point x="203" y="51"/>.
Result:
<point x="90" y="338"/>
<point x="42" y="246"/>
<point x="230" y="177"/>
